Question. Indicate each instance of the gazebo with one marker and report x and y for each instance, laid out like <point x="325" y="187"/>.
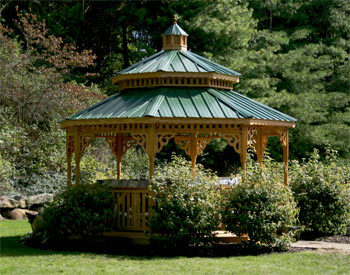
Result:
<point x="176" y="94"/>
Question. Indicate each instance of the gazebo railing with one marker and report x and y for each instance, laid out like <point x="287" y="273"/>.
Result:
<point x="133" y="209"/>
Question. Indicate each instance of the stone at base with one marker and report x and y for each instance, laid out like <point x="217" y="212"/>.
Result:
<point x="19" y="214"/>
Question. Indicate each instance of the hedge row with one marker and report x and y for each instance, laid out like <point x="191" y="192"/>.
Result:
<point x="189" y="210"/>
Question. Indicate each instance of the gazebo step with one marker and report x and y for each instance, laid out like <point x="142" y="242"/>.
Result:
<point x="227" y="237"/>
<point x="143" y="238"/>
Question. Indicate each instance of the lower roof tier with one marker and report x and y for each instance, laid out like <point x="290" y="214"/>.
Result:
<point x="175" y="102"/>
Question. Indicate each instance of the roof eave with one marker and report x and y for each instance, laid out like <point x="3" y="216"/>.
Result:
<point x="162" y="74"/>
<point x="244" y="121"/>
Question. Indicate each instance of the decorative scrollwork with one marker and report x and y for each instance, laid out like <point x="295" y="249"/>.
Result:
<point x="283" y="135"/>
<point x="184" y="143"/>
<point x="201" y="144"/>
<point x="141" y="139"/>
<point x="264" y="140"/>
<point x="234" y="141"/>
<point x="127" y="144"/>
<point x="84" y="142"/>
<point x="162" y="140"/>
<point x="252" y="133"/>
<point x="112" y="142"/>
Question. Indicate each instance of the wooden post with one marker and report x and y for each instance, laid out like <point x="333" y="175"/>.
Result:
<point x="119" y="154"/>
<point x="151" y="143"/>
<point x="244" y="145"/>
<point x="285" y="145"/>
<point x="77" y="155"/>
<point x="259" y="147"/>
<point x="69" y="151"/>
<point x="119" y="167"/>
<point x="193" y="150"/>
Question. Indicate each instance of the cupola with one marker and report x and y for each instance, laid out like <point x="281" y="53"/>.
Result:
<point x="175" y="38"/>
<point x="174" y="66"/>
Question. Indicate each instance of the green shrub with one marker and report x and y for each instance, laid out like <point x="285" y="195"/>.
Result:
<point x="322" y="192"/>
<point x="262" y="207"/>
<point x="187" y="209"/>
<point x="80" y="211"/>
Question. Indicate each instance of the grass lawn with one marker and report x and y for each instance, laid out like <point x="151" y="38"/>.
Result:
<point x="16" y="258"/>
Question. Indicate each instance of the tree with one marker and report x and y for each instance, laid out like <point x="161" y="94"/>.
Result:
<point x="36" y="90"/>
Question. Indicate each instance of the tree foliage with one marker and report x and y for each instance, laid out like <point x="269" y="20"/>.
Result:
<point x="294" y="56"/>
<point x="37" y="89"/>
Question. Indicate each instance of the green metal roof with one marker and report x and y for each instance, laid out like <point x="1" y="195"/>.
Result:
<point x="175" y="29"/>
<point x="170" y="102"/>
<point x="177" y="61"/>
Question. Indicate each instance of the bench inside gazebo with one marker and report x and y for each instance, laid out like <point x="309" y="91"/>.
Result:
<point x="173" y="94"/>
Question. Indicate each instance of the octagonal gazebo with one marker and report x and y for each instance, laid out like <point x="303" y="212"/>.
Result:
<point x="173" y="94"/>
<point x="176" y="94"/>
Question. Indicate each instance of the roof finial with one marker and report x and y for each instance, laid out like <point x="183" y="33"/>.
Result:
<point x="175" y="18"/>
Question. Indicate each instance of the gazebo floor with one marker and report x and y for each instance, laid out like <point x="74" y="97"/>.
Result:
<point x="140" y="238"/>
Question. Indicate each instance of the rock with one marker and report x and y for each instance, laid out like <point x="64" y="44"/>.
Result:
<point x="39" y="199"/>
<point x="22" y="201"/>
<point x="1" y="218"/>
<point x="7" y="202"/>
<point x="19" y="214"/>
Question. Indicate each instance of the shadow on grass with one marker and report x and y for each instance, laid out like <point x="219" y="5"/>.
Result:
<point x="11" y="246"/>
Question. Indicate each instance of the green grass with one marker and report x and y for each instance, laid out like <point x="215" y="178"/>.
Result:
<point x="18" y="259"/>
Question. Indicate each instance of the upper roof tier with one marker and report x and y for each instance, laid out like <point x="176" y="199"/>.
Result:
<point x="177" y="61"/>
<point x="175" y="66"/>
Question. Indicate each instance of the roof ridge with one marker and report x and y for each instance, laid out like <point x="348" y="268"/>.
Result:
<point x="230" y="104"/>
<point x="264" y="105"/>
<point x="94" y="105"/>
<point x="140" y="62"/>
<point x="168" y="62"/>
<point x="155" y="103"/>
<point x="196" y="61"/>
<point x="175" y="29"/>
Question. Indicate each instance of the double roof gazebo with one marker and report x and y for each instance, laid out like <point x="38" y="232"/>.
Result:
<point x="175" y="94"/>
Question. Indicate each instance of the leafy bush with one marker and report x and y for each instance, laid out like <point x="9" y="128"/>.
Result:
<point x="5" y="173"/>
<point x="322" y="192"/>
<point x="262" y="207"/>
<point x="135" y="164"/>
<point x="78" y="212"/>
<point x="186" y="213"/>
